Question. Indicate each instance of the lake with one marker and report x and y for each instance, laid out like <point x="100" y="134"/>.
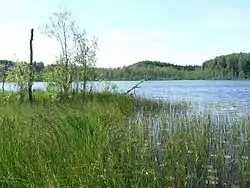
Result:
<point x="211" y="96"/>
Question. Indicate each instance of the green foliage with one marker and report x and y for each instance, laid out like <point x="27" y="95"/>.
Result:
<point x="232" y="66"/>
<point x="19" y="74"/>
<point x="104" y="141"/>
<point x="77" y="54"/>
<point x="54" y="81"/>
<point x="5" y="65"/>
<point x="151" y="70"/>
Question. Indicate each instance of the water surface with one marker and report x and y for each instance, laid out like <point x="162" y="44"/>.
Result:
<point x="213" y="96"/>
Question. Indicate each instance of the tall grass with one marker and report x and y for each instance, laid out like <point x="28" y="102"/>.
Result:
<point x="111" y="140"/>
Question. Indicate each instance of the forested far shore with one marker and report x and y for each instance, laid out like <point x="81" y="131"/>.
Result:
<point x="226" y="67"/>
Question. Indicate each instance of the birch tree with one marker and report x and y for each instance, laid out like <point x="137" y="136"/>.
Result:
<point x="59" y="28"/>
<point x="85" y="54"/>
<point x="77" y="53"/>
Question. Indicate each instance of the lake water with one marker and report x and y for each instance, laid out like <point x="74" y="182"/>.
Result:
<point x="213" y="96"/>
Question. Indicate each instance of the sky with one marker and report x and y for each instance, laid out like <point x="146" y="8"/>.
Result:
<point x="175" y="31"/>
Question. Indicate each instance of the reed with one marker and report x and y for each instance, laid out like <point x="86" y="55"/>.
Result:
<point x="112" y="140"/>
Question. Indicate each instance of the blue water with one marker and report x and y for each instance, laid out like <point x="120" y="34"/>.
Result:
<point x="213" y="96"/>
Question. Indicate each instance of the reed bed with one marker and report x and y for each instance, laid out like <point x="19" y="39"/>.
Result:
<point x="112" y="140"/>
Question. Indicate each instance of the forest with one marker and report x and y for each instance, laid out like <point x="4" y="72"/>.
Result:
<point x="224" y="67"/>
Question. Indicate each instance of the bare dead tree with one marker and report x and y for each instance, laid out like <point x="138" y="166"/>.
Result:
<point x="4" y="74"/>
<point x="31" y="68"/>
<point x="134" y="87"/>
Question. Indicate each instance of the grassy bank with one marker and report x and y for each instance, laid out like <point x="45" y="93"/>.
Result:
<point x="111" y="140"/>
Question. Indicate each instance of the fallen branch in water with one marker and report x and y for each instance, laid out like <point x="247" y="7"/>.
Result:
<point x="134" y="87"/>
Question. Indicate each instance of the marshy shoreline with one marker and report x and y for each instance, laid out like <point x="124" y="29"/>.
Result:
<point x="112" y="140"/>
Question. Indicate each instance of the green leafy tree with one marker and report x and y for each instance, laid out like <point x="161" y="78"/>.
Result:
<point x="76" y="54"/>
<point x="85" y="56"/>
<point x="19" y="75"/>
<point x="54" y="79"/>
<point x="59" y="28"/>
<point x="4" y="67"/>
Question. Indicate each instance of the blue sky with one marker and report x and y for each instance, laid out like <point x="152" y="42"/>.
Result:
<point x="176" y="31"/>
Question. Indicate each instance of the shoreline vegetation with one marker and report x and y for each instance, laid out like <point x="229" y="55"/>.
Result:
<point x="77" y="137"/>
<point x="114" y="140"/>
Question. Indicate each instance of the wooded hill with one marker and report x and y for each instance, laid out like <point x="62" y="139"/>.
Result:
<point x="232" y="66"/>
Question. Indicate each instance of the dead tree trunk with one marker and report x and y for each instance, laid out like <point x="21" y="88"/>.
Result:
<point x="31" y="67"/>
<point x="4" y="74"/>
<point x="134" y="87"/>
<point x="85" y="77"/>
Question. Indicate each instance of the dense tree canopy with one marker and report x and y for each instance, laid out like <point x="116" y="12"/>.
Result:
<point x="236" y="65"/>
<point x="232" y="66"/>
<point x="151" y="70"/>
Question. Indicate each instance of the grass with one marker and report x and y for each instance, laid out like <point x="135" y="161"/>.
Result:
<point x="112" y="140"/>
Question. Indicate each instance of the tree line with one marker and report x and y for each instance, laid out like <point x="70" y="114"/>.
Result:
<point x="232" y="66"/>
<point x="227" y="67"/>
